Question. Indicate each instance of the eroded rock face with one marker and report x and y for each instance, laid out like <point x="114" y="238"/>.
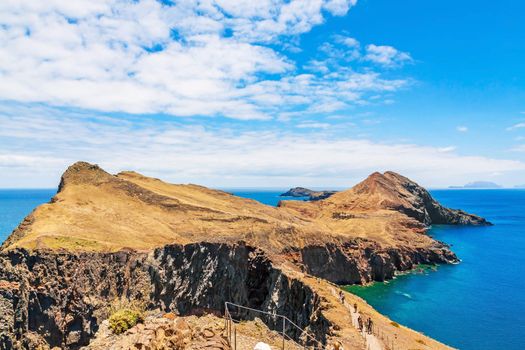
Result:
<point x="61" y="299"/>
<point x="361" y="262"/>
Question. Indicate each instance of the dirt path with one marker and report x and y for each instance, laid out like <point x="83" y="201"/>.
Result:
<point x="372" y="342"/>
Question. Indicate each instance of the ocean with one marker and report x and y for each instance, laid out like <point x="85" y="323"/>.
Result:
<point x="478" y="304"/>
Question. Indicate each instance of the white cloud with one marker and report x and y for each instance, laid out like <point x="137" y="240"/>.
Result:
<point x="217" y="156"/>
<point x="214" y="57"/>
<point x="516" y="126"/>
<point x="519" y="148"/>
<point x="313" y="125"/>
<point x="446" y="149"/>
<point x="347" y="41"/>
<point x="462" y="128"/>
<point x="386" y="55"/>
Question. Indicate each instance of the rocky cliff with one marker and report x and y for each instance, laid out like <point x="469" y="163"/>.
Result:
<point x="364" y="262"/>
<point x="60" y="299"/>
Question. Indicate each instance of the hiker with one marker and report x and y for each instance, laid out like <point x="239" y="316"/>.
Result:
<point x="360" y="323"/>
<point x="355" y="307"/>
<point x="369" y="326"/>
<point x="342" y="298"/>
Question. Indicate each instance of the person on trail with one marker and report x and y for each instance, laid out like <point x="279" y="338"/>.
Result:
<point x="360" y="323"/>
<point x="355" y="307"/>
<point x="342" y="298"/>
<point x="370" y="326"/>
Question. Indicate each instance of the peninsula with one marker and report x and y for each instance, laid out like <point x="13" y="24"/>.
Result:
<point x="188" y="249"/>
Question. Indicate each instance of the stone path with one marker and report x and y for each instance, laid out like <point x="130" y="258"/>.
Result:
<point x="372" y="342"/>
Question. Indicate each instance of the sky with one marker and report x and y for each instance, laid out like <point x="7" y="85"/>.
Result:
<point x="237" y="93"/>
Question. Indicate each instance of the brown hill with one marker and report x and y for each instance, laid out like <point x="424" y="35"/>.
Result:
<point x="386" y="214"/>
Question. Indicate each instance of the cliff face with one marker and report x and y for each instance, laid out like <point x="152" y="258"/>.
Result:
<point x="364" y="262"/>
<point x="60" y="299"/>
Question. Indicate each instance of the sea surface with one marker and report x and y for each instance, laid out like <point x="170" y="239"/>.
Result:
<point x="478" y="304"/>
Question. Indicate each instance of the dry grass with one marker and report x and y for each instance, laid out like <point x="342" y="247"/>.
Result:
<point x="96" y="211"/>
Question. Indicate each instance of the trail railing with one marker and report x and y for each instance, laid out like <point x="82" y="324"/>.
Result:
<point x="234" y="313"/>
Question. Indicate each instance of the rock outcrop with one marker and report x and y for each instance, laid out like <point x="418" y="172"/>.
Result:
<point x="305" y="192"/>
<point x="159" y="332"/>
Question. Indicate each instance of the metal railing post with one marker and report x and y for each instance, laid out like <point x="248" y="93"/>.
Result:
<point x="284" y="324"/>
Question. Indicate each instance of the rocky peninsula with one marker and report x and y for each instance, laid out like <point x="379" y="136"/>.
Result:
<point x="186" y="250"/>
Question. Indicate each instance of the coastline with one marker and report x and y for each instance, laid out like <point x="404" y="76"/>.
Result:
<point x="273" y="254"/>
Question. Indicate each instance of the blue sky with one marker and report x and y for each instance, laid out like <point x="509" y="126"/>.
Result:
<point x="267" y="94"/>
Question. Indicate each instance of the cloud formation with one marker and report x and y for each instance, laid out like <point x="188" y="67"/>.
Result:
<point x="387" y="56"/>
<point x="520" y="125"/>
<point x="219" y="156"/>
<point x="184" y="58"/>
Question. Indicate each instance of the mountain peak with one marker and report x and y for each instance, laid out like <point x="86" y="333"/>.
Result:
<point x="83" y="172"/>
<point x="392" y="191"/>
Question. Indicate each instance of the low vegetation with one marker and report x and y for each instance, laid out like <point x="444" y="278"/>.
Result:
<point x="124" y="314"/>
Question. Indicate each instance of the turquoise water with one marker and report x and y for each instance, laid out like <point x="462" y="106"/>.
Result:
<point x="478" y="304"/>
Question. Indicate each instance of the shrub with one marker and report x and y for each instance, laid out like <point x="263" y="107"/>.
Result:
<point x="123" y="319"/>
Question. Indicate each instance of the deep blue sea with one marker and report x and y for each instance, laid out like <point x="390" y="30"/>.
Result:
<point x="478" y="304"/>
<point x="16" y="204"/>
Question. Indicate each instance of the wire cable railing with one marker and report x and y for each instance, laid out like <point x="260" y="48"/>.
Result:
<point x="281" y="323"/>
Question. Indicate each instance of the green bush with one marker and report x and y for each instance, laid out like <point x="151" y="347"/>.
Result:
<point x="123" y="319"/>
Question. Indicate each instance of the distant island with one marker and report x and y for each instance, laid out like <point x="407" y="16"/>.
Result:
<point x="479" y="185"/>
<point x="305" y="192"/>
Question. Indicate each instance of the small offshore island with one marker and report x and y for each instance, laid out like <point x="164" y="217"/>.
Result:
<point x="182" y="251"/>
